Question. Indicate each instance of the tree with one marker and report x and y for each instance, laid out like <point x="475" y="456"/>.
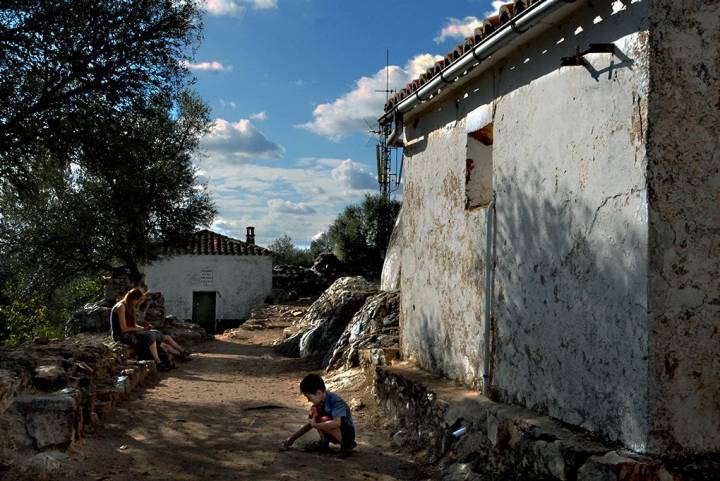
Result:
<point x="96" y="134"/>
<point x="285" y="253"/>
<point x="60" y="60"/>
<point x="136" y="191"/>
<point x="320" y="245"/>
<point x="97" y="131"/>
<point x="361" y="233"/>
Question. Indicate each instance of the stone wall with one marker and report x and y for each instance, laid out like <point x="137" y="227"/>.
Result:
<point x="684" y="218"/>
<point x="51" y="391"/>
<point x="473" y="439"/>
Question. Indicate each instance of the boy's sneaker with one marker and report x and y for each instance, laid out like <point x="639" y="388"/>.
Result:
<point x="346" y="451"/>
<point x="316" y="447"/>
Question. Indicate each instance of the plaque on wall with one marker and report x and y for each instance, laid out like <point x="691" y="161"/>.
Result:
<point x="206" y="277"/>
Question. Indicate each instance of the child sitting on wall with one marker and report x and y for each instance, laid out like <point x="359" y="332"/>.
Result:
<point x="329" y="415"/>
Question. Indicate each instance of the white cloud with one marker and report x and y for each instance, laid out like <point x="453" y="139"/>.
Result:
<point x="264" y="4"/>
<point x="356" y="110"/>
<point x="299" y="201"/>
<point x="287" y="207"/>
<point x="496" y="4"/>
<point x="231" y="104"/>
<point x="212" y="66"/>
<point x="228" y="141"/>
<point x="237" y="7"/>
<point x="259" y="116"/>
<point x="354" y="175"/>
<point x="459" y="29"/>
<point x="224" y="7"/>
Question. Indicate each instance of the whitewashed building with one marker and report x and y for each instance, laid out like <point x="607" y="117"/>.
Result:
<point x="212" y="280"/>
<point x="559" y="239"/>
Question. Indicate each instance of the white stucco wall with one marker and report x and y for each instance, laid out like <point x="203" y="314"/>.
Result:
<point x="570" y="305"/>
<point x="241" y="282"/>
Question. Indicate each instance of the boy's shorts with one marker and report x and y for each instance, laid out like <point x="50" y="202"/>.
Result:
<point x="347" y="431"/>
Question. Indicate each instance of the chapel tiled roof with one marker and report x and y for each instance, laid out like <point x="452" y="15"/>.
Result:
<point x="207" y="242"/>
<point x="490" y="25"/>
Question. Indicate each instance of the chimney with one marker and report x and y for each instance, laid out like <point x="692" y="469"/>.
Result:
<point x="250" y="235"/>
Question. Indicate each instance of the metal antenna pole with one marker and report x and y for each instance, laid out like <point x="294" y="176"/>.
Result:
<point x="384" y="152"/>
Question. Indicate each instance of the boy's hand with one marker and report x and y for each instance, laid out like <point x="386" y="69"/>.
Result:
<point x="286" y="444"/>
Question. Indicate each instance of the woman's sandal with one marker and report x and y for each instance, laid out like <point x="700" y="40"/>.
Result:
<point x="184" y="356"/>
<point x="162" y="367"/>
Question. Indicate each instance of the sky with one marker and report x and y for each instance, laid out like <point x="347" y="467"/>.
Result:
<point x="293" y="91"/>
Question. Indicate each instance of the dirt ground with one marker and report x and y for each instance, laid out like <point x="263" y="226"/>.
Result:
<point x="223" y="416"/>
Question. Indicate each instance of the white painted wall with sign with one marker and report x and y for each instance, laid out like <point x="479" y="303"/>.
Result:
<point x="240" y="282"/>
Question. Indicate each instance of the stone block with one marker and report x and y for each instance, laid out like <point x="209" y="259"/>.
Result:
<point x="9" y="384"/>
<point x="50" y="420"/>
<point x="461" y="472"/>
<point x="43" y="466"/>
<point x="548" y="458"/>
<point x="49" y="377"/>
<point x="615" y="467"/>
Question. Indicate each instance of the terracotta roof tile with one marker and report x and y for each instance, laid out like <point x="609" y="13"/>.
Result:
<point x="490" y="25"/>
<point x="207" y="242"/>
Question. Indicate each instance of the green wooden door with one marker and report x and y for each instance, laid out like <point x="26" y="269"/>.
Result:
<point x="203" y="312"/>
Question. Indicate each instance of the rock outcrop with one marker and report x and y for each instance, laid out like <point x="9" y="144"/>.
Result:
<point x="327" y="318"/>
<point x="374" y="326"/>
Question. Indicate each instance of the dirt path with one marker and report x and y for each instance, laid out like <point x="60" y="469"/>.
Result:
<point x="223" y="416"/>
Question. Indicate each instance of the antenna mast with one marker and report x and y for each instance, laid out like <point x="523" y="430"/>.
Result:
<point x="389" y="172"/>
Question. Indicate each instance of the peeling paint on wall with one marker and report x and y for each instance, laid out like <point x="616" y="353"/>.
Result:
<point x="569" y="170"/>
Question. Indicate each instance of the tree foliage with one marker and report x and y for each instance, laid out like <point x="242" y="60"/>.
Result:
<point x="60" y="60"/>
<point x="285" y="253"/>
<point x="320" y="245"/>
<point x="361" y="233"/>
<point x="97" y="133"/>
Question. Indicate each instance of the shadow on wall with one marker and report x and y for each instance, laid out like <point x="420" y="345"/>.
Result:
<point x="570" y="307"/>
<point x="541" y="55"/>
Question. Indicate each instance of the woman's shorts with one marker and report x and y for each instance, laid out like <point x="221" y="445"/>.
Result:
<point x="141" y="338"/>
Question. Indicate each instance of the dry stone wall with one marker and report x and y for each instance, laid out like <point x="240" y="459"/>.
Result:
<point x="52" y="390"/>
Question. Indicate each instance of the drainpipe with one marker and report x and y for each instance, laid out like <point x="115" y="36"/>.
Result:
<point x="396" y="137"/>
<point x="508" y="32"/>
<point x="489" y="292"/>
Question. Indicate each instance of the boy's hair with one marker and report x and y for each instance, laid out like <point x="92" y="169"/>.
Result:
<point x="311" y="384"/>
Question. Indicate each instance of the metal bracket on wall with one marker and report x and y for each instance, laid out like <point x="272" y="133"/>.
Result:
<point x="579" y="60"/>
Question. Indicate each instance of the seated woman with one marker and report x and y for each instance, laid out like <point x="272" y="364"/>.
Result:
<point x="146" y="339"/>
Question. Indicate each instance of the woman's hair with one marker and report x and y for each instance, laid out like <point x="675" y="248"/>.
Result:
<point x="134" y="294"/>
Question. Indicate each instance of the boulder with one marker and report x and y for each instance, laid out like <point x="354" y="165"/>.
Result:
<point x="93" y="317"/>
<point x="375" y="325"/>
<point x="329" y="266"/>
<point x="390" y="277"/>
<point x="152" y="309"/>
<point x="327" y="318"/>
<point x="461" y="472"/>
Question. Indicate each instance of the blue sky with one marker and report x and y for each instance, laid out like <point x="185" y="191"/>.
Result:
<point x="291" y="85"/>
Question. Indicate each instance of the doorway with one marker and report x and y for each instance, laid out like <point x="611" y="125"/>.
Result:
<point x="203" y="310"/>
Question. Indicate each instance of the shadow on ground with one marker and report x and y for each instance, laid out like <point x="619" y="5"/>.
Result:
<point x="224" y="416"/>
